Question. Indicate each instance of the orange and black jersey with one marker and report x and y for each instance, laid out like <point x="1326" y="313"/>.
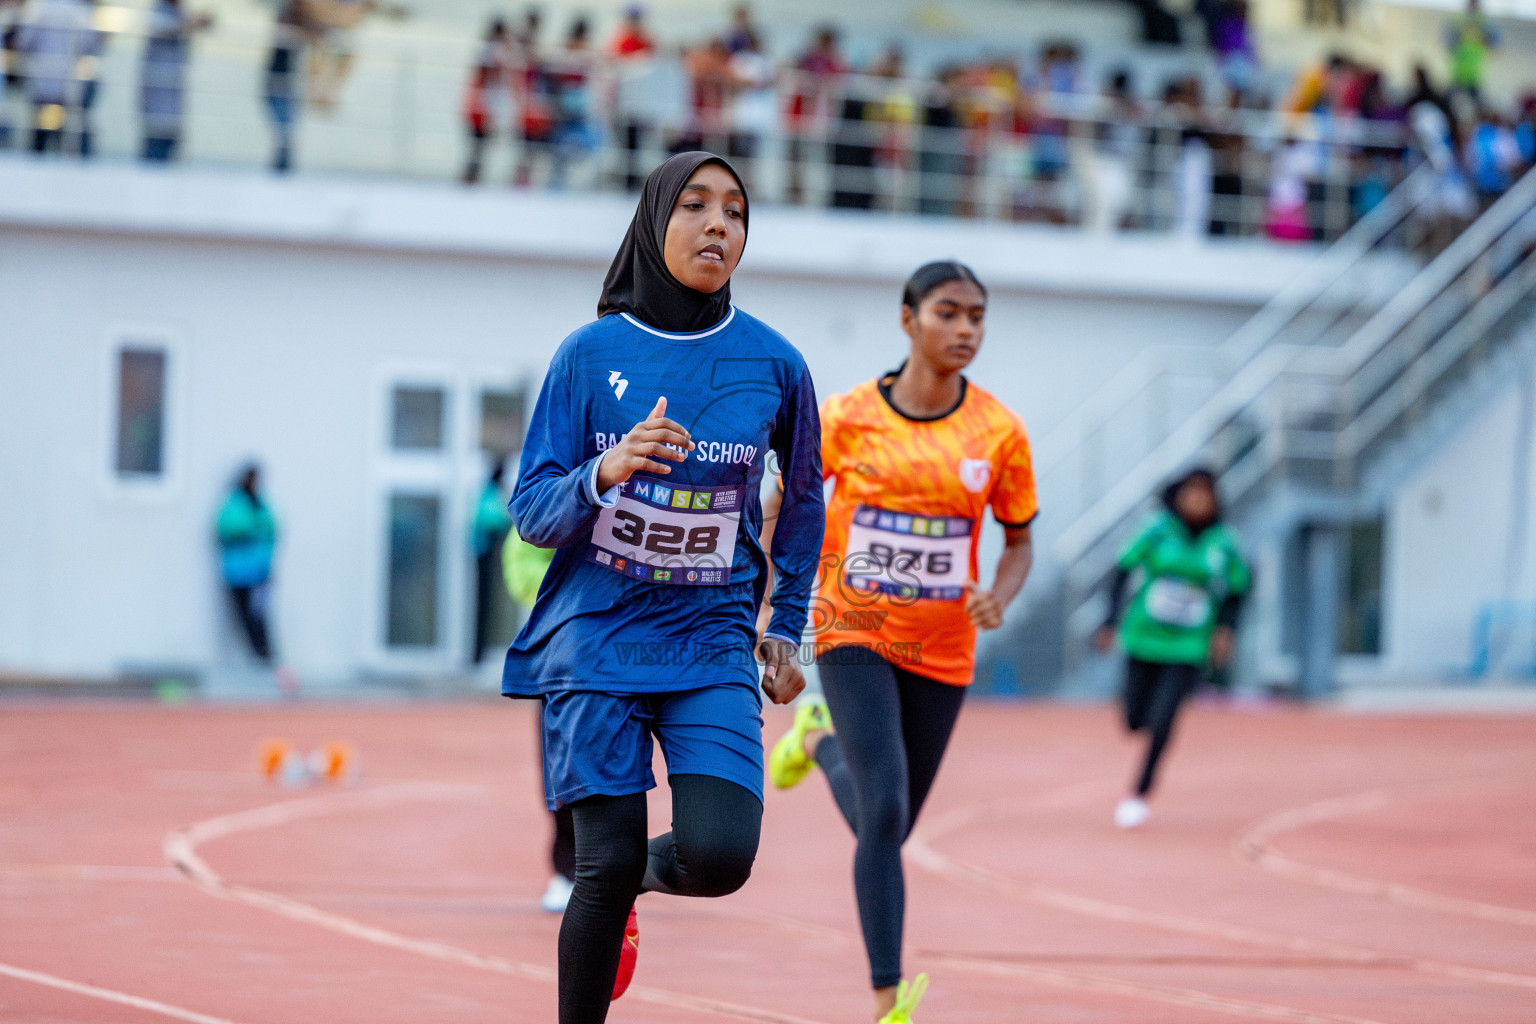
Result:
<point x="904" y="520"/>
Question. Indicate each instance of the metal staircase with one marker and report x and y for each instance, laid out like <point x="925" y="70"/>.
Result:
<point x="1311" y="410"/>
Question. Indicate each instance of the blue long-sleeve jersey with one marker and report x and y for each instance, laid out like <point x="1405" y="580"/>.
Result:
<point x="656" y="583"/>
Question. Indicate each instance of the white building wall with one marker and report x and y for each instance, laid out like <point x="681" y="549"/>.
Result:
<point x="1458" y="536"/>
<point x="290" y="309"/>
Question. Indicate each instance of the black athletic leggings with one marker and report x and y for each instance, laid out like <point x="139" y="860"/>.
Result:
<point x="709" y="852"/>
<point x="1153" y="693"/>
<point x="892" y="727"/>
<point x="251" y="610"/>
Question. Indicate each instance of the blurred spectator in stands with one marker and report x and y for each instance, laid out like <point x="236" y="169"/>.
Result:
<point x="1228" y="34"/>
<point x="893" y="116"/>
<point x="534" y="89"/>
<point x="1470" y="36"/>
<point x="61" y="57"/>
<point x="1229" y="157"/>
<point x="1525" y="129"/>
<point x="1424" y="91"/>
<point x="11" y="79"/>
<point x="1194" y="173"/>
<point x="709" y="86"/>
<point x="632" y="49"/>
<point x="575" y="136"/>
<point x="486" y="533"/>
<point x="1158" y="24"/>
<point x="744" y="34"/>
<point x="941" y="147"/>
<point x="1293" y="167"/>
<point x="1451" y="205"/>
<point x="1117" y="146"/>
<point x="1059" y="76"/>
<point x="853" y="154"/>
<point x="633" y="39"/>
<point x="1493" y="155"/>
<point x="247" y="536"/>
<point x="754" y="108"/>
<point x="488" y="97"/>
<point x="1326" y="13"/>
<point x="333" y="46"/>
<point x="817" y="80"/>
<point x="283" y="87"/>
<point x="162" y="87"/>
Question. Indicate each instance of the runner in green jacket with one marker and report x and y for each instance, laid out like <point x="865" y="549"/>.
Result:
<point x="1190" y="579"/>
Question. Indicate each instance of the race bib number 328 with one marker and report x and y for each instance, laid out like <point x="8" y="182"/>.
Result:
<point x="669" y="535"/>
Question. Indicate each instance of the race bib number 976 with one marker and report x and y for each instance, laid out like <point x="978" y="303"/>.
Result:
<point x="916" y="557"/>
<point x="670" y="535"/>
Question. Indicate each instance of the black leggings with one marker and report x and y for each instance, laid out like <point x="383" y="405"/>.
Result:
<point x="892" y="728"/>
<point x="251" y="610"/>
<point x="1153" y="693"/>
<point x="709" y="852"/>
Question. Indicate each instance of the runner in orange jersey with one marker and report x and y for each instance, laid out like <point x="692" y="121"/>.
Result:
<point x="917" y="457"/>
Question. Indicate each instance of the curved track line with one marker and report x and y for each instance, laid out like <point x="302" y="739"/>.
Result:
<point x="181" y="850"/>
<point x="1254" y="845"/>
<point x="925" y="856"/>
<point x="1059" y="978"/>
<point x="1187" y="997"/>
<point x="109" y="995"/>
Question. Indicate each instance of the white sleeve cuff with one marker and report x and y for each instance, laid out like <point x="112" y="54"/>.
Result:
<point x="780" y="636"/>
<point x="607" y="499"/>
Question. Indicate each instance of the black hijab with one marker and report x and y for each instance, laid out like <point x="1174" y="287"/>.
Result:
<point x="1171" y="495"/>
<point x="638" y="282"/>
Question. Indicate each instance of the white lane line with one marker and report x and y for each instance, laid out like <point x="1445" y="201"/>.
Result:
<point x="922" y="853"/>
<point x="1255" y="846"/>
<point x="1060" y="978"/>
<point x="109" y="995"/>
<point x="181" y="850"/>
<point x="1186" y="997"/>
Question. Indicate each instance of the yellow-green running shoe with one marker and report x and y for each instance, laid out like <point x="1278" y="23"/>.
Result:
<point x="790" y="761"/>
<point x="908" y="995"/>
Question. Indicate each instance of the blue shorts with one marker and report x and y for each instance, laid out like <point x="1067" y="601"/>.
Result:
<point x="599" y="744"/>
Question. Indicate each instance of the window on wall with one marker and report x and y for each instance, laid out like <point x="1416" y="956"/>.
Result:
<point x="501" y="421"/>
<point x="417" y="418"/>
<point x="140" y="449"/>
<point x="1360" y="613"/>
<point x="415" y="522"/>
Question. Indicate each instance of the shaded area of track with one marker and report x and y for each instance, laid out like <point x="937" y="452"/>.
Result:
<point x="413" y="896"/>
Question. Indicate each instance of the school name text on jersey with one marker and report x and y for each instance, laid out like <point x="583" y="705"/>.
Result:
<point x="703" y="451"/>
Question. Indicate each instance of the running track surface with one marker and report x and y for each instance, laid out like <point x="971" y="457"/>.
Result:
<point x="1300" y="867"/>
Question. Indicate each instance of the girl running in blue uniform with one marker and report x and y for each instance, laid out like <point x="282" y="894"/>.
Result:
<point x="642" y="467"/>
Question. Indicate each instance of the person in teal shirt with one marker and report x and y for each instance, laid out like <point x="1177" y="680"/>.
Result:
<point x="489" y="526"/>
<point x="1189" y="582"/>
<point x="247" y="537"/>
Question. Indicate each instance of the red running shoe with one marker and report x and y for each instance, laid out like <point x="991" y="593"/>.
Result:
<point x="629" y="955"/>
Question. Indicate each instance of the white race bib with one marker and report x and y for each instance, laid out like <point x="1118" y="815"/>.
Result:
<point x="673" y="535"/>
<point x="924" y="558"/>
<point x="1174" y="602"/>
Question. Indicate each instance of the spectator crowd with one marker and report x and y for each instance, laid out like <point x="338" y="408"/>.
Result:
<point x="1225" y="151"/>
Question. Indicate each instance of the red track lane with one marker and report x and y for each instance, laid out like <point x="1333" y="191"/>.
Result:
<point x="1300" y="867"/>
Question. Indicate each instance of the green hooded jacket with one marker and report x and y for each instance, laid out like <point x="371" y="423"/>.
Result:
<point x="1181" y="580"/>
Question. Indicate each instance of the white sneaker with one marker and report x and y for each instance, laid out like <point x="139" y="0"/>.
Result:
<point x="1132" y="812"/>
<point x="557" y="895"/>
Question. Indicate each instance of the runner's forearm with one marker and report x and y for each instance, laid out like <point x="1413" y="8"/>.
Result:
<point x="796" y="546"/>
<point x="1013" y="567"/>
